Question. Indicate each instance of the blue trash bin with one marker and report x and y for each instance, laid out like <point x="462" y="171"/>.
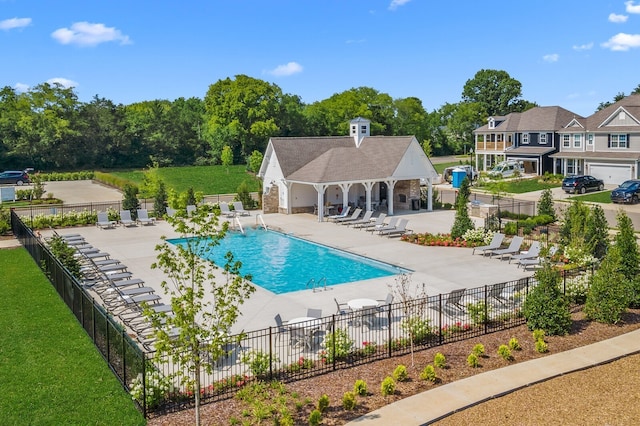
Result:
<point x="458" y="176"/>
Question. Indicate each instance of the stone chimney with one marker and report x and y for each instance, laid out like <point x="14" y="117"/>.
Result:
<point x="360" y="128"/>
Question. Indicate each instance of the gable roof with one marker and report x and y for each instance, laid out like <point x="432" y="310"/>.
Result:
<point x="550" y="118"/>
<point x="631" y="105"/>
<point x="337" y="159"/>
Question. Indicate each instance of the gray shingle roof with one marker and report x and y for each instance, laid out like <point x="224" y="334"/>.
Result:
<point x="337" y="159"/>
<point x="630" y="103"/>
<point x="550" y="118"/>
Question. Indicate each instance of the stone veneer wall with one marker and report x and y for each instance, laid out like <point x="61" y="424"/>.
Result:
<point x="408" y="188"/>
<point x="271" y="200"/>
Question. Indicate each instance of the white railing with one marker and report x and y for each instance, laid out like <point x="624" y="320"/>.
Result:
<point x="260" y="220"/>
<point x="236" y="221"/>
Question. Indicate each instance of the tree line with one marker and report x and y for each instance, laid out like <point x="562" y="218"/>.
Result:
<point x="48" y="128"/>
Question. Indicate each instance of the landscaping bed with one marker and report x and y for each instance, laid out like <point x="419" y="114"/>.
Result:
<point x="307" y="392"/>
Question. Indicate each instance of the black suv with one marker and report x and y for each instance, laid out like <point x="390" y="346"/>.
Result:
<point x="14" y="177"/>
<point x="581" y="184"/>
<point x="627" y="192"/>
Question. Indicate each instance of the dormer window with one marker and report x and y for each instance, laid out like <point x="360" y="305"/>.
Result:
<point x="525" y="138"/>
<point x="543" y="138"/>
<point x="492" y="123"/>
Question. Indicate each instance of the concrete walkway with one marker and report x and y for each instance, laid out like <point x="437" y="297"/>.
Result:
<point x="430" y="406"/>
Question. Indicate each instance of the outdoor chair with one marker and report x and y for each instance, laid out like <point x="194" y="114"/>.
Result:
<point x="391" y="225"/>
<point x="365" y="219"/>
<point x="171" y="212"/>
<point x="532" y="253"/>
<point x="125" y="218"/>
<point x="399" y="230"/>
<point x="452" y="305"/>
<point x="226" y="211"/>
<point x="514" y="247"/>
<point x="314" y="313"/>
<point x="144" y="219"/>
<point x="345" y="211"/>
<point x="239" y="209"/>
<point x="191" y="210"/>
<point x="104" y="222"/>
<point x="496" y="243"/>
<point x="354" y="216"/>
<point x="371" y="223"/>
<point x="495" y="293"/>
<point x="342" y="308"/>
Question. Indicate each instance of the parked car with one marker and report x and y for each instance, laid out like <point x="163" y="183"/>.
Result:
<point x="447" y="174"/>
<point x="14" y="177"/>
<point x="627" y="192"/>
<point x="581" y="184"/>
<point x="507" y="169"/>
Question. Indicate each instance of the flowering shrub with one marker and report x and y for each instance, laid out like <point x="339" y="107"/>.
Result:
<point x="235" y="381"/>
<point x="157" y="388"/>
<point x="458" y="327"/>
<point x="479" y="236"/>
<point x="369" y="348"/>
<point x="446" y="240"/>
<point x="302" y="363"/>
<point x="578" y="256"/>
<point x="342" y="347"/>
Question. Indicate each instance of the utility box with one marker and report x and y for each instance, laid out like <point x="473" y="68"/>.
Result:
<point x="415" y="204"/>
<point x="458" y="176"/>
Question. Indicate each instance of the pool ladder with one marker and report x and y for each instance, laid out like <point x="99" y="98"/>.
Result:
<point x="318" y="285"/>
<point x="261" y="220"/>
<point x="236" y="221"/>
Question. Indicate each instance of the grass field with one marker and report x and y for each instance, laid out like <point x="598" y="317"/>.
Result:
<point x="519" y="186"/>
<point x="210" y="180"/>
<point x="595" y="197"/>
<point x="51" y="374"/>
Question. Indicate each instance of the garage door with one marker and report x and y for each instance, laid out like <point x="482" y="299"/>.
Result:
<point x="611" y="174"/>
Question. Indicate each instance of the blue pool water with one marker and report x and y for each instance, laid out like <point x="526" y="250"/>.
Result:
<point x="281" y="263"/>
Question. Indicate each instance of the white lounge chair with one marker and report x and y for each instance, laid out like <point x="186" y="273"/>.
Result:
<point x="226" y="211"/>
<point x="354" y="216"/>
<point x="144" y="219"/>
<point x="239" y="209"/>
<point x="171" y="212"/>
<point x="191" y="209"/>
<point x="125" y="218"/>
<point x="532" y="253"/>
<point x="377" y="222"/>
<point x="514" y="247"/>
<point x="385" y="226"/>
<point x="104" y="222"/>
<point x="399" y="230"/>
<point x="495" y="244"/>
<point x="365" y="219"/>
<point x="344" y="213"/>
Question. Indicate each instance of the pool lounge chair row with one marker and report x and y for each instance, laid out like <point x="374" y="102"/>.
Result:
<point x="125" y="219"/>
<point x="523" y="258"/>
<point x="122" y="295"/>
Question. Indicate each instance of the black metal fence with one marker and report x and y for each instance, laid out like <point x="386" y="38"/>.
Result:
<point x="295" y="349"/>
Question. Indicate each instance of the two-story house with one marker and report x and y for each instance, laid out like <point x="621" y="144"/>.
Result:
<point x="530" y="137"/>
<point x="605" y="144"/>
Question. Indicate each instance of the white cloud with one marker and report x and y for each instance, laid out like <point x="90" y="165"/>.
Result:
<point x="617" y="19"/>
<point x="21" y="87"/>
<point x="9" y="24"/>
<point x="64" y="82"/>
<point x="632" y="8"/>
<point x="286" y="70"/>
<point x="622" y="42"/>
<point x="362" y="40"/>
<point x="586" y="46"/>
<point x="397" y="3"/>
<point x="552" y="57"/>
<point x="87" y="34"/>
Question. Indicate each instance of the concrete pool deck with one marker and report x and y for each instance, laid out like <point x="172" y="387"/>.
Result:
<point x="441" y="269"/>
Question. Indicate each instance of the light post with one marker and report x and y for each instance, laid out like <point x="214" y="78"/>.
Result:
<point x="471" y="157"/>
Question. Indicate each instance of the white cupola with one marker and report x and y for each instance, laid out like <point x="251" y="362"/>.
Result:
<point x="360" y="128"/>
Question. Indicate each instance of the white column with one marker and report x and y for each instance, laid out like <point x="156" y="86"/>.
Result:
<point x="345" y="193"/>
<point x="430" y="194"/>
<point x="367" y="187"/>
<point x="320" y="188"/>
<point x="390" y="185"/>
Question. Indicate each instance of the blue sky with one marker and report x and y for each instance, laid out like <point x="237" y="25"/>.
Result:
<point x="570" y="53"/>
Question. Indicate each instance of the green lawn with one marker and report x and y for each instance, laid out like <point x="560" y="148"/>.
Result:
<point x="595" y="197"/>
<point x="440" y="167"/>
<point x="209" y="180"/>
<point x="50" y="372"/>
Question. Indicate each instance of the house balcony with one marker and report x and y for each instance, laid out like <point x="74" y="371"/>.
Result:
<point x="493" y="146"/>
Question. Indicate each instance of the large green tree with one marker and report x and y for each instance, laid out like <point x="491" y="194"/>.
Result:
<point x="495" y="90"/>
<point x="242" y="114"/>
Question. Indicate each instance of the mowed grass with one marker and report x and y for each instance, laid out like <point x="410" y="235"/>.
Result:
<point x="209" y="180"/>
<point x="594" y="197"/>
<point x="50" y="372"/>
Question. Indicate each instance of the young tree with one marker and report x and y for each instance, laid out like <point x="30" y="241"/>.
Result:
<point x="205" y="300"/>
<point x="130" y="201"/>
<point x="545" y="307"/>
<point x="243" y="195"/>
<point x="462" y="222"/>
<point x="255" y="161"/>
<point x="413" y="302"/>
<point x="160" y="200"/>
<point x="608" y="295"/>
<point x="625" y="241"/>
<point x="545" y="204"/>
<point x="597" y="232"/>
<point x="227" y="157"/>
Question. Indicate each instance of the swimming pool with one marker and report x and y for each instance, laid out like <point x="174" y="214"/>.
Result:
<point x="282" y="263"/>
